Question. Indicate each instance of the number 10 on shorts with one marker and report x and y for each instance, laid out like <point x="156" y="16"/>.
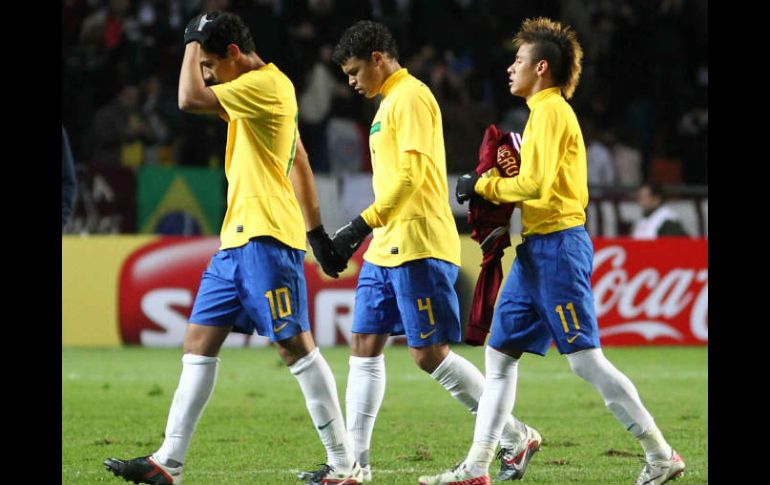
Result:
<point x="279" y="298"/>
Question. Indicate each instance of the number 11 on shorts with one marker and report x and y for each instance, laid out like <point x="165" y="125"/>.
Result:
<point x="571" y="308"/>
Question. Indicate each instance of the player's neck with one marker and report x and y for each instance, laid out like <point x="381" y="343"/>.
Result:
<point x="252" y="61"/>
<point x="540" y="85"/>
<point x="389" y="68"/>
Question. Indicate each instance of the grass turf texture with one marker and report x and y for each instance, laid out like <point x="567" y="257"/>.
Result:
<point x="256" y="429"/>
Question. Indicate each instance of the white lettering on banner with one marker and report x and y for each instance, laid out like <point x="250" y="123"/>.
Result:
<point x="158" y="306"/>
<point x="699" y="317"/>
<point x="675" y="284"/>
<point x="626" y="308"/>
<point x="611" y="283"/>
<point x="647" y="329"/>
<point x="668" y="297"/>
<point x="329" y="318"/>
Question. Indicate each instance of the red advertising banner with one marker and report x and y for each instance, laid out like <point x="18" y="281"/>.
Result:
<point x="646" y="292"/>
<point x="651" y="292"/>
<point x="158" y="284"/>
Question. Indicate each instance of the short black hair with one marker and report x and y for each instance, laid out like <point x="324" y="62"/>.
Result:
<point x="363" y="38"/>
<point x="227" y="28"/>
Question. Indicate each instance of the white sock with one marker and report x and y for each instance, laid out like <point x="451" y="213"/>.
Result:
<point x="479" y="457"/>
<point x="621" y="398"/>
<point x="363" y="397"/>
<point x="320" y="390"/>
<point x="495" y="406"/>
<point x="465" y="382"/>
<point x="199" y="374"/>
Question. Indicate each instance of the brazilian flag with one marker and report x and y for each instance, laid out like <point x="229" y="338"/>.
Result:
<point x="184" y="201"/>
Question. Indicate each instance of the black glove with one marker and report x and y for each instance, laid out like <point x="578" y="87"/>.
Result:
<point x="465" y="187"/>
<point x="324" y="252"/>
<point x="349" y="237"/>
<point x="194" y="32"/>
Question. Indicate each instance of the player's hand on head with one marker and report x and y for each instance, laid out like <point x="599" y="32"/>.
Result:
<point x="323" y="250"/>
<point x="466" y="187"/>
<point x="349" y="237"/>
<point x="196" y="29"/>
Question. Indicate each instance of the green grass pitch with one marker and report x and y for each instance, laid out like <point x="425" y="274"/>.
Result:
<point x="256" y="429"/>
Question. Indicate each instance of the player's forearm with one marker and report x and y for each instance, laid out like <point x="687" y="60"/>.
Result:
<point x="192" y="88"/>
<point x="514" y="189"/>
<point x="387" y="206"/>
<point x="301" y="176"/>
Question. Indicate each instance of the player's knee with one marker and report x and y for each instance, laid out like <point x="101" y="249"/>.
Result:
<point x="584" y="363"/>
<point x="429" y="358"/>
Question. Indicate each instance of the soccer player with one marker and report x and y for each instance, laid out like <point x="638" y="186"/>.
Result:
<point x="406" y="285"/>
<point x="547" y="295"/>
<point x="256" y="279"/>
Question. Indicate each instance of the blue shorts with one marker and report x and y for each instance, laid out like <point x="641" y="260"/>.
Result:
<point x="259" y="286"/>
<point x="417" y="298"/>
<point x="548" y="296"/>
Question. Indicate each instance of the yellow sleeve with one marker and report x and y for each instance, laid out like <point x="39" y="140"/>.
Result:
<point x="247" y="95"/>
<point x="540" y="154"/>
<point x="408" y="178"/>
<point x="414" y="123"/>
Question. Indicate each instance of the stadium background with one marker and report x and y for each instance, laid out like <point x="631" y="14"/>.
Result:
<point x="151" y="191"/>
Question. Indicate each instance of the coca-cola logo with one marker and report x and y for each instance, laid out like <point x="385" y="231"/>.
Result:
<point x="642" y="289"/>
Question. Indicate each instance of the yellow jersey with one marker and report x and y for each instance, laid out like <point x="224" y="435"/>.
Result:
<point x="261" y="111"/>
<point x="553" y="181"/>
<point x="410" y="215"/>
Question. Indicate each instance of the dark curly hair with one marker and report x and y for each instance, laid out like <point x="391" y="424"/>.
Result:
<point x="227" y="28"/>
<point x="363" y="38"/>
<point x="557" y="44"/>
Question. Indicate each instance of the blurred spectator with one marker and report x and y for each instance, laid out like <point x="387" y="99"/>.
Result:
<point x="645" y="67"/>
<point x="657" y="218"/>
<point x="346" y="146"/>
<point x="68" y="182"/>
<point x="692" y="129"/>
<point x="163" y="118"/>
<point x="601" y="166"/>
<point x="314" y="107"/>
<point x="628" y="160"/>
<point x="119" y="130"/>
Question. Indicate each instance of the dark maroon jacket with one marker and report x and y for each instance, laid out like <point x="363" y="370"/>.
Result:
<point x="490" y="223"/>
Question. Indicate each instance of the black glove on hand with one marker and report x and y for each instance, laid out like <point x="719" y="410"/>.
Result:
<point x="349" y="237"/>
<point x="194" y="32"/>
<point x="323" y="250"/>
<point x="465" y="187"/>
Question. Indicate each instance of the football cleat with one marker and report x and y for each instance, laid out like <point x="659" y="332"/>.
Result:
<point x="514" y="461"/>
<point x="458" y="475"/>
<point x="659" y="472"/>
<point x="144" y="470"/>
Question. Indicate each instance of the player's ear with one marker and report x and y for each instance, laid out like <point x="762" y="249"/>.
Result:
<point x="377" y="58"/>
<point x="542" y="67"/>
<point x="233" y="51"/>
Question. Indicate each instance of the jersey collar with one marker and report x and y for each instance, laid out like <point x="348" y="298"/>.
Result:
<point x="543" y="95"/>
<point x="393" y="80"/>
